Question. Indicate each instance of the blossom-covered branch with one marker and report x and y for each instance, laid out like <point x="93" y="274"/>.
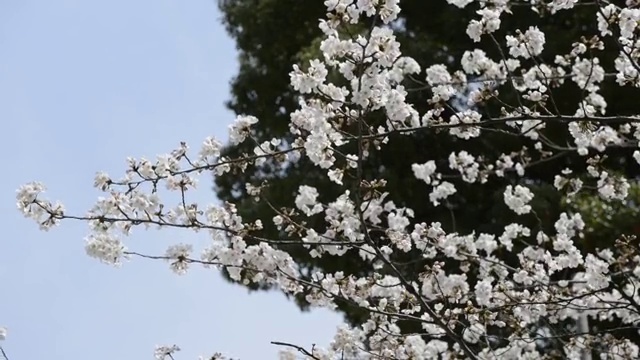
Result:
<point x="431" y="291"/>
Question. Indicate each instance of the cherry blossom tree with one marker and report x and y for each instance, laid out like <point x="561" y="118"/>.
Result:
<point x="531" y="291"/>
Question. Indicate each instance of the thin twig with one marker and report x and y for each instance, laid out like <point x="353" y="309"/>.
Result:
<point x="299" y="348"/>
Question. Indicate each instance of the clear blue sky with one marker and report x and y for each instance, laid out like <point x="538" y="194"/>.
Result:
<point x="83" y="85"/>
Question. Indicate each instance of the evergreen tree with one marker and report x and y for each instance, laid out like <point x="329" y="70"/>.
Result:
<point x="273" y="35"/>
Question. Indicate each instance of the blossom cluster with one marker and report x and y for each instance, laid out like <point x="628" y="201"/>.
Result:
<point x="516" y="293"/>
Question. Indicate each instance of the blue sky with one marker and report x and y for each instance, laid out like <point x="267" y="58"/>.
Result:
<point x="83" y="85"/>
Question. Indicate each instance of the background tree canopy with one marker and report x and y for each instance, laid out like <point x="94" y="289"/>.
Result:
<point x="273" y="35"/>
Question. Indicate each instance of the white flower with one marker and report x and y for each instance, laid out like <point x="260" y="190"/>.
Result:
<point x="210" y="149"/>
<point x="556" y="5"/>
<point x="466" y="164"/>
<point x="526" y="45"/>
<point x="603" y="16"/>
<point x="287" y="354"/>
<point x="307" y="82"/>
<point x="489" y="23"/>
<point x="484" y="291"/>
<point x="636" y="156"/>
<point x="424" y="171"/>
<point x="336" y="175"/>
<point x="460" y="3"/>
<point x="612" y="187"/>
<point x="438" y="75"/>
<point x="463" y="119"/>
<point x="163" y="352"/>
<point x="306" y="201"/>
<point x="442" y="191"/>
<point x="628" y="21"/>
<point x="102" y="181"/>
<point x="106" y="248"/>
<point x="518" y="198"/>
<point x="178" y="255"/>
<point x="511" y="232"/>
<point x="239" y="130"/>
<point x="587" y="73"/>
